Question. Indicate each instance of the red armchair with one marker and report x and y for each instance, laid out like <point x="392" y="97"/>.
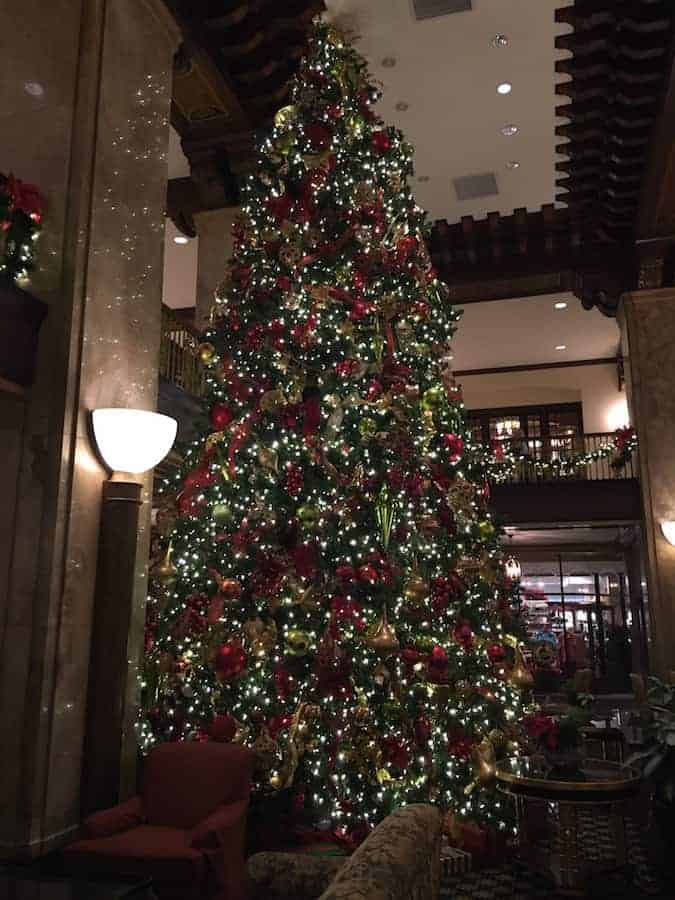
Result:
<point x="186" y="830"/>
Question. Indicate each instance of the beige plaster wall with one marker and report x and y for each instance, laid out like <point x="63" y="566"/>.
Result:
<point x="595" y="387"/>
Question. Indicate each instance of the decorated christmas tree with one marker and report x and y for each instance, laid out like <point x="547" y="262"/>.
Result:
<point x="332" y="592"/>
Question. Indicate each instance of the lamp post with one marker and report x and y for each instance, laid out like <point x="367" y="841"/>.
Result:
<point x="130" y="442"/>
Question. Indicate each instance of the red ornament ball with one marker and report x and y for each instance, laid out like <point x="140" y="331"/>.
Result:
<point x="381" y="141"/>
<point x="368" y="574"/>
<point x="230" y="661"/>
<point x="496" y="652"/>
<point x="221" y="416"/>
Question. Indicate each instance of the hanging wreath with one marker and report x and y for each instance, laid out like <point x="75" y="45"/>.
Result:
<point x="20" y="218"/>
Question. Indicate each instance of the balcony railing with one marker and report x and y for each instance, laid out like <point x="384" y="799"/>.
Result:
<point x="550" y="462"/>
<point x="178" y="359"/>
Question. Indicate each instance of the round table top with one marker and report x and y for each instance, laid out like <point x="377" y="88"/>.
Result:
<point x="598" y="779"/>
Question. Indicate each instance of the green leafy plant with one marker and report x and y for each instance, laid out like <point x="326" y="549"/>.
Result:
<point x="657" y="760"/>
<point x="20" y="220"/>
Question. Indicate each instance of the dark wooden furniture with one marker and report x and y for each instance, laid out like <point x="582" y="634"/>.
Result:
<point x="21" y="316"/>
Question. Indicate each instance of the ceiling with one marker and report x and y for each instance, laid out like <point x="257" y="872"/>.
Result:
<point x="447" y="71"/>
<point x="527" y="331"/>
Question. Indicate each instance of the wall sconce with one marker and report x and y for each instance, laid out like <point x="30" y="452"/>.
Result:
<point x="130" y="441"/>
<point x="133" y="440"/>
<point x="668" y="529"/>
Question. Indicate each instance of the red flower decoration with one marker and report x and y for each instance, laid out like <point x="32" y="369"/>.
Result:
<point x="25" y="197"/>
<point x="318" y="135"/>
<point x="542" y="729"/>
<point x="463" y="635"/>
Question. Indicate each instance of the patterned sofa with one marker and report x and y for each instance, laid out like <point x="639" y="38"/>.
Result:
<point x="400" y="860"/>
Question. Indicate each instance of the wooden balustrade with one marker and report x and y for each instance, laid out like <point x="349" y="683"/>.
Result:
<point x="178" y="359"/>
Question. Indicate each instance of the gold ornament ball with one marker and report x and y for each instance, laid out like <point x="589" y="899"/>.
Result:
<point x="309" y="516"/>
<point x="272" y="400"/>
<point x="268" y="458"/>
<point x="222" y="513"/>
<point x="286" y="116"/>
<point x="297" y="642"/>
<point x="382" y="638"/>
<point x="284" y="143"/>
<point x="486" y="529"/>
<point x="416" y="590"/>
<point x="432" y="398"/>
<point x="206" y="353"/>
<point x="166" y="573"/>
<point x="290" y="256"/>
<point x="367" y="428"/>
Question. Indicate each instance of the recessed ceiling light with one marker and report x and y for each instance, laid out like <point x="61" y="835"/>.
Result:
<point x="423" y="177"/>
<point x="180" y="239"/>
<point x="513" y="164"/>
<point x="500" y="40"/>
<point x="509" y="130"/>
<point x="505" y="87"/>
<point x="561" y="346"/>
<point x="560" y="305"/>
<point x="401" y="106"/>
<point x="389" y="62"/>
<point x="34" y="88"/>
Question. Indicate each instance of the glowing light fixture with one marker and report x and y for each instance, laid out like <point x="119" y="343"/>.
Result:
<point x="509" y="130"/>
<point x="512" y="569"/>
<point x="561" y="346"/>
<point x="133" y="440"/>
<point x="504" y="88"/>
<point x="668" y="529"/>
<point x="560" y="305"/>
<point x="513" y="164"/>
<point x="180" y="239"/>
<point x="34" y="89"/>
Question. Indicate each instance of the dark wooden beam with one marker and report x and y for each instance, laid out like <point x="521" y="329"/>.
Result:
<point x="656" y="215"/>
<point x="534" y="367"/>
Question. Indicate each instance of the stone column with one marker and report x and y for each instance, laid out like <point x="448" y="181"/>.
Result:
<point x="647" y="320"/>
<point x="93" y="135"/>
<point x="214" y="229"/>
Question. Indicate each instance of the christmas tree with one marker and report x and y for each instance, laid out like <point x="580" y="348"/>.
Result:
<point x="333" y="593"/>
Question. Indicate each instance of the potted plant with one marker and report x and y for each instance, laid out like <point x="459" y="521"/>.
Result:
<point x="657" y="761"/>
<point x="558" y="739"/>
<point x="21" y="314"/>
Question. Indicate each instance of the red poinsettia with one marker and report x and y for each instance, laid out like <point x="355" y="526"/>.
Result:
<point x="542" y="729"/>
<point x="25" y="197"/>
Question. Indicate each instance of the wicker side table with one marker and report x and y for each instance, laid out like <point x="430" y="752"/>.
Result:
<point x="561" y="821"/>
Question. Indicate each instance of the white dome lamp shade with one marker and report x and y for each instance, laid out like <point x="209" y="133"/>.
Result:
<point x="133" y="440"/>
<point x="668" y="529"/>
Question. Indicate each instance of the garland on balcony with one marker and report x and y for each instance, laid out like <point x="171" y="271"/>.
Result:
<point x="505" y="460"/>
<point x="20" y="222"/>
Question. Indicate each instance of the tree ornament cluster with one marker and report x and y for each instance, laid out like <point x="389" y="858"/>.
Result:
<point x="338" y="601"/>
